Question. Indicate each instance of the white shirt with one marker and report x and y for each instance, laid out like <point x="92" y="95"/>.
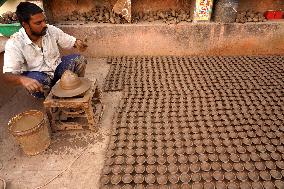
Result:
<point x="21" y="54"/>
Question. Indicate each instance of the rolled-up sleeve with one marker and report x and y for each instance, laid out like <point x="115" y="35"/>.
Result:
<point x="64" y="40"/>
<point x="13" y="59"/>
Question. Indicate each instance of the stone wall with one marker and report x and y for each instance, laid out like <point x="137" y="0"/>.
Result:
<point x="182" y="39"/>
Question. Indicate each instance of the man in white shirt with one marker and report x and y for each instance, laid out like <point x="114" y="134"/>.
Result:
<point x="32" y="57"/>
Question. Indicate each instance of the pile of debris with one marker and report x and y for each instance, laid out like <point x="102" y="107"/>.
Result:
<point x="8" y="18"/>
<point x="171" y="16"/>
<point x="98" y="15"/>
<point x="250" y="16"/>
<point x="105" y="15"/>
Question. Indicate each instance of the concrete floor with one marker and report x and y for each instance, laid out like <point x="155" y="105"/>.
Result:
<point x="75" y="158"/>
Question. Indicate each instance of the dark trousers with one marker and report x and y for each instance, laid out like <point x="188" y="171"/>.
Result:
<point x="74" y="62"/>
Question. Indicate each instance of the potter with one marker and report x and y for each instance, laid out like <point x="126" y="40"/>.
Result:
<point x="32" y="57"/>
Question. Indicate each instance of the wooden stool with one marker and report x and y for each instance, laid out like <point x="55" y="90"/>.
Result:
<point x="76" y="112"/>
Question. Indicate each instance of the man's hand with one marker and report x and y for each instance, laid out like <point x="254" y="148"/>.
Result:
<point x="31" y="85"/>
<point x="80" y="45"/>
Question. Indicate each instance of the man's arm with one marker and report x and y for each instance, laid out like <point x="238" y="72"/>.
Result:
<point x="13" y="61"/>
<point x="67" y="41"/>
<point x="30" y="84"/>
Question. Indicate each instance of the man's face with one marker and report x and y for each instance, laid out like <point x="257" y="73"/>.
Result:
<point x="37" y="25"/>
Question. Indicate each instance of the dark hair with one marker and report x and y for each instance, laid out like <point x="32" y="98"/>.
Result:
<point x="25" y="10"/>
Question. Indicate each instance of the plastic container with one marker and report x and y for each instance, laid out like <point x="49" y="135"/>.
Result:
<point x="273" y="14"/>
<point x="278" y="15"/>
<point x="9" y="29"/>
<point x="31" y="130"/>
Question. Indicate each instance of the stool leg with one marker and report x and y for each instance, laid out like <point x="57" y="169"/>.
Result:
<point x="90" y="117"/>
<point x="97" y="93"/>
<point x="51" y="119"/>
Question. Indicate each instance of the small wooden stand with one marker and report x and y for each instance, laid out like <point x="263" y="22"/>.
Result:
<point x="76" y="112"/>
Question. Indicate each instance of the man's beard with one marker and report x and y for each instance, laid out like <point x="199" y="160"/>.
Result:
<point x="39" y="34"/>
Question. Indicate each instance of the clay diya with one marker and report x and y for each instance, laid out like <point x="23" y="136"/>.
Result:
<point x="218" y="175"/>
<point x="260" y="148"/>
<point x="150" y="179"/>
<point x="209" y="185"/>
<point x="224" y="158"/>
<point x="242" y="176"/>
<point x="162" y="179"/>
<point x="220" y="149"/>
<point x="227" y="166"/>
<point x="128" y="169"/>
<point x="245" y="157"/>
<point x="151" y="160"/>
<point x="162" y="169"/>
<point x="105" y="179"/>
<point x="251" y="149"/>
<point x="127" y="178"/>
<point x="196" y="177"/>
<point x="130" y="160"/>
<point x="270" y="165"/>
<point x="161" y="160"/>
<point x="241" y="149"/>
<point x="195" y="167"/>
<point x="116" y="169"/>
<point x="185" y="178"/>
<point x="193" y="158"/>
<point x="115" y="179"/>
<point x="230" y="176"/>
<point x="231" y="150"/>
<point x="205" y="166"/>
<point x="173" y="178"/>
<point x="139" y="169"/>
<point x="279" y="184"/>
<point x="140" y="159"/>
<point x="275" y="156"/>
<point x="138" y="179"/>
<point x="184" y="168"/>
<point x="280" y="164"/>
<point x="216" y="166"/>
<point x="238" y="167"/>
<point x="232" y="185"/>
<point x="220" y="185"/>
<point x="171" y="159"/>
<point x="180" y="151"/>
<point x="268" y="185"/>
<point x="213" y="157"/>
<point x="182" y="159"/>
<point x="106" y="170"/>
<point x="276" y="174"/>
<point x="172" y="168"/>
<point x="206" y="176"/>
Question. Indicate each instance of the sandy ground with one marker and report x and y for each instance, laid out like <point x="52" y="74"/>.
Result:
<point x="75" y="158"/>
